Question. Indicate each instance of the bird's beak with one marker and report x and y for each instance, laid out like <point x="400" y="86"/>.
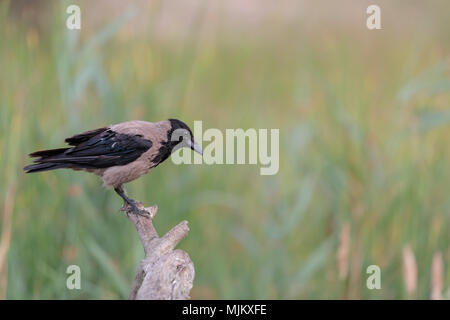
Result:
<point x="196" y="147"/>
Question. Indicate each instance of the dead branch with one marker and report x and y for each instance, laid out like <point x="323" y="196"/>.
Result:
<point x="164" y="273"/>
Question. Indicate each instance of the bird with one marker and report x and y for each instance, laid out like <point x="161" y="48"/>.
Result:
<point x="118" y="153"/>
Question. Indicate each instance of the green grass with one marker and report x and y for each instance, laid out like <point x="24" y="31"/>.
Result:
<point x="364" y="140"/>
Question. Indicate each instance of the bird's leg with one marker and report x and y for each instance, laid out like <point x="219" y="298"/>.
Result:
<point x="129" y="202"/>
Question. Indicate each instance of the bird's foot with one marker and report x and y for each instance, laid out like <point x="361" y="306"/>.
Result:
<point x="133" y="207"/>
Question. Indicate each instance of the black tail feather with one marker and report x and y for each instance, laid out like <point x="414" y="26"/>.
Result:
<point x="48" y="153"/>
<point x="38" y="167"/>
<point x="41" y="164"/>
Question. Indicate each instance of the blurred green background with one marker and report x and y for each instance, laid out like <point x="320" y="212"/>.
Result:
<point x="364" y="125"/>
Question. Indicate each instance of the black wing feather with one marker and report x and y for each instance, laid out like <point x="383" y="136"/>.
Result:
<point x="85" y="136"/>
<point x="103" y="150"/>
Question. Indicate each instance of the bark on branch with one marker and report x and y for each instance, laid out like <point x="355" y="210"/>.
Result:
<point x="164" y="273"/>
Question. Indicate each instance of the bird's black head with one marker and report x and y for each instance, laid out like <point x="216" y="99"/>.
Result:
<point x="180" y="135"/>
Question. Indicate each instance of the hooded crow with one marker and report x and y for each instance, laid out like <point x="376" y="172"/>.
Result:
<point x="118" y="153"/>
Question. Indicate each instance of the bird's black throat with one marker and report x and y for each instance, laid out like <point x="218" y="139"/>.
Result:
<point x="168" y="146"/>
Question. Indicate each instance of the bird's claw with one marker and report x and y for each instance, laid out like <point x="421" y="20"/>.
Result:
<point x="142" y="213"/>
<point x="133" y="208"/>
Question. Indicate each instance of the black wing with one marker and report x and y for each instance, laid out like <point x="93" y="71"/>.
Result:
<point x="85" y="136"/>
<point x="103" y="150"/>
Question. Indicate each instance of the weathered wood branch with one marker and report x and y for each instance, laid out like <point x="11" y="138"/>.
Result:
<point x="164" y="273"/>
